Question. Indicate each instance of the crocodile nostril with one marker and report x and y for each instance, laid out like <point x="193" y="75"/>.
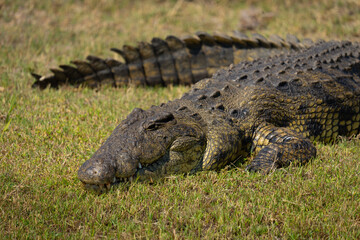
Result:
<point x="92" y="171"/>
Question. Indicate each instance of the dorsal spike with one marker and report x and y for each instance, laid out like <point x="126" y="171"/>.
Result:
<point x="83" y="67"/>
<point x="262" y="40"/>
<point x="36" y="76"/>
<point x="222" y="39"/>
<point x="206" y="38"/>
<point x="174" y="43"/>
<point x="191" y="41"/>
<point x="119" y="51"/>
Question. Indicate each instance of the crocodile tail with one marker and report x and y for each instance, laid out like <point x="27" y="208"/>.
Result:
<point x="165" y="61"/>
<point x="132" y="58"/>
<point x="181" y="59"/>
<point x="54" y="81"/>
<point x="207" y="53"/>
<point x="257" y="46"/>
<point x="171" y="61"/>
<point x="92" y="73"/>
<point x="218" y="51"/>
<point x="150" y="64"/>
<point x="40" y="82"/>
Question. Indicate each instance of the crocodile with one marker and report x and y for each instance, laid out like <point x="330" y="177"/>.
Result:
<point x="170" y="61"/>
<point x="271" y="110"/>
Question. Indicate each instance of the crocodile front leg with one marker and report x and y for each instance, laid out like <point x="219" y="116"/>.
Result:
<point x="276" y="147"/>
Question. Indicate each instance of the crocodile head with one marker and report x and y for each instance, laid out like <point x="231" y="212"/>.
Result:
<point x="147" y="145"/>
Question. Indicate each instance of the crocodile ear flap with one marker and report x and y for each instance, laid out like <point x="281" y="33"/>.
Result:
<point x="184" y="143"/>
<point x="223" y="146"/>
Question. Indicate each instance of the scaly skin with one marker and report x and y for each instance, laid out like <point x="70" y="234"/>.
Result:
<point x="273" y="108"/>
<point x="170" y="61"/>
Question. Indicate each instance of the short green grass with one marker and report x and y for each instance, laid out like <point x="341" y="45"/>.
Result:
<point x="46" y="135"/>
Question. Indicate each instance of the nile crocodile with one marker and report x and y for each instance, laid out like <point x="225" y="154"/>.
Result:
<point x="273" y="108"/>
<point x="170" y="61"/>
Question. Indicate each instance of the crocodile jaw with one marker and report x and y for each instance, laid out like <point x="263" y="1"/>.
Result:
<point x="102" y="170"/>
<point x="184" y="155"/>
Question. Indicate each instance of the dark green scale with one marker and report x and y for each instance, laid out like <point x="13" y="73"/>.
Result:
<point x="315" y="99"/>
<point x="273" y="108"/>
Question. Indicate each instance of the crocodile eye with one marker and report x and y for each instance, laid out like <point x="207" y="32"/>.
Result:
<point x="150" y="126"/>
<point x="159" y="120"/>
<point x="163" y="117"/>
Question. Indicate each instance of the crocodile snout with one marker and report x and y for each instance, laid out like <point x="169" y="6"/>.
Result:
<point x="96" y="171"/>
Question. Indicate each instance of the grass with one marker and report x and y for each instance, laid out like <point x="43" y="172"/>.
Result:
<point x="47" y="135"/>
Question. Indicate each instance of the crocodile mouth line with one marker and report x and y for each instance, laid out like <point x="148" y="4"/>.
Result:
<point x="100" y="188"/>
<point x="151" y="167"/>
